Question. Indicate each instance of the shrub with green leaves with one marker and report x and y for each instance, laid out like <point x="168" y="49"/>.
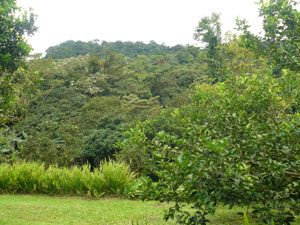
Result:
<point x="110" y="178"/>
<point x="236" y="144"/>
<point x="99" y="144"/>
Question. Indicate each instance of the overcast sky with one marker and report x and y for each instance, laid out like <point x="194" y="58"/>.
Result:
<point x="164" y="21"/>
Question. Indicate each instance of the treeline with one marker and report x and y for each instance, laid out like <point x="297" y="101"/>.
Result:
<point x="72" y="48"/>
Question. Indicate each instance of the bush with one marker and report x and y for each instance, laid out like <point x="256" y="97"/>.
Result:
<point x="99" y="144"/>
<point x="134" y="151"/>
<point x="135" y="146"/>
<point x="238" y="145"/>
<point x="30" y="177"/>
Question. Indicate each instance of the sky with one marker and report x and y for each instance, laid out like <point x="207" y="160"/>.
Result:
<point x="165" y="21"/>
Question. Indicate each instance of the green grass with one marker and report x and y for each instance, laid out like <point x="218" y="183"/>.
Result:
<point x="37" y="209"/>
<point x="42" y="209"/>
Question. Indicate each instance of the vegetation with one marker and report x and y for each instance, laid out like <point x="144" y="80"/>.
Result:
<point x="237" y="143"/>
<point x="17" y="85"/>
<point x="71" y="48"/>
<point x="209" y="32"/>
<point x="23" y="209"/>
<point x="109" y="179"/>
<point x="200" y="127"/>
<point x="14" y="24"/>
<point x="241" y="150"/>
<point x="84" y="102"/>
<point x="280" y="42"/>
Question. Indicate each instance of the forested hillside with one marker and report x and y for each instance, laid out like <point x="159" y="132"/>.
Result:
<point x="84" y="101"/>
<point x="131" y="49"/>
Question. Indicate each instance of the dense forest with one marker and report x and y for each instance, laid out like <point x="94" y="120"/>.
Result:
<point x="198" y="125"/>
<point x="82" y="103"/>
<point x="70" y="49"/>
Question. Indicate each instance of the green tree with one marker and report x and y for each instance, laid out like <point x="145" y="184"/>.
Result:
<point x="14" y="26"/>
<point x="52" y="143"/>
<point x="71" y="48"/>
<point x="17" y="85"/>
<point x="209" y="32"/>
<point x="131" y="49"/>
<point x="236" y="144"/>
<point x="96" y="108"/>
<point x="99" y="144"/>
<point x="137" y="108"/>
<point x="239" y="60"/>
<point x="280" y="43"/>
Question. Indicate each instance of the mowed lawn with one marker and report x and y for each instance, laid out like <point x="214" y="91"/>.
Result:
<point x="40" y="209"/>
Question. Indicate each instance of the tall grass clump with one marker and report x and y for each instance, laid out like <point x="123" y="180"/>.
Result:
<point x="111" y="178"/>
<point x="116" y="177"/>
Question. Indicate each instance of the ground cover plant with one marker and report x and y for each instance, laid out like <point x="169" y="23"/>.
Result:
<point x="41" y="209"/>
<point x="109" y="179"/>
<point x="38" y="209"/>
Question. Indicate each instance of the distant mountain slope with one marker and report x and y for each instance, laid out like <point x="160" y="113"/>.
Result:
<point x="131" y="49"/>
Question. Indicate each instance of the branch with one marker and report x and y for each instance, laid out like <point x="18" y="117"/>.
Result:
<point x="292" y="173"/>
<point x="4" y="125"/>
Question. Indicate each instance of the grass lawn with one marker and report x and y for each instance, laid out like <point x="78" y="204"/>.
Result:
<point x="39" y="209"/>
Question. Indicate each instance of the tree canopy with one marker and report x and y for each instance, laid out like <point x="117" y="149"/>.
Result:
<point x="15" y="24"/>
<point x="280" y="42"/>
<point x="131" y="49"/>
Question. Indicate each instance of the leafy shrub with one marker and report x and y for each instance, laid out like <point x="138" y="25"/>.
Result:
<point x="100" y="144"/>
<point x="54" y="143"/>
<point x="135" y="146"/>
<point x="134" y="151"/>
<point x="237" y="144"/>
<point x="8" y="141"/>
<point x="28" y="177"/>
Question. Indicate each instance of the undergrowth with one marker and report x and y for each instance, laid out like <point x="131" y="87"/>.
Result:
<point x="111" y="178"/>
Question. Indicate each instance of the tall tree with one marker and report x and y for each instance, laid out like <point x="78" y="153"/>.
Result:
<point x="209" y="32"/>
<point x="281" y="40"/>
<point x="16" y="84"/>
<point x="15" y="24"/>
